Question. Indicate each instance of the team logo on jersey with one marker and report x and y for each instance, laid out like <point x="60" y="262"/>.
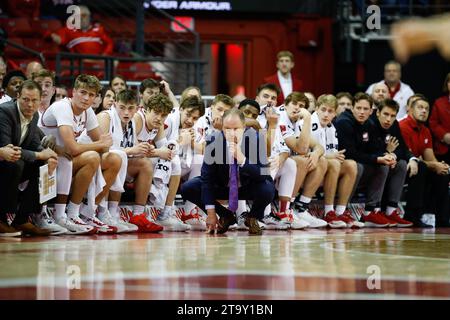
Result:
<point x="387" y="138"/>
<point x="283" y="128"/>
<point x="315" y="127"/>
<point x="365" y="136"/>
<point x="165" y="126"/>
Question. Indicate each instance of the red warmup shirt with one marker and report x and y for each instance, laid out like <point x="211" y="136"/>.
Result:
<point x="416" y="135"/>
<point x="440" y="123"/>
<point x="92" y="41"/>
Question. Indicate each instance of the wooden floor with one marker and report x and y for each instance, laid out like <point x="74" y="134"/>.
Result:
<point x="313" y="264"/>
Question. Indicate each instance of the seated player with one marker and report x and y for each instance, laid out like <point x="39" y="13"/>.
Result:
<point x="179" y="127"/>
<point x="294" y="136"/>
<point x="137" y="168"/>
<point x="150" y="128"/>
<point x="341" y="172"/>
<point x="66" y="120"/>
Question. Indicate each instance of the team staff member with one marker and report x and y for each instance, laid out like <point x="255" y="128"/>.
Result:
<point x="418" y="138"/>
<point x="388" y="137"/>
<point x="18" y="127"/>
<point x="440" y="123"/>
<point x="90" y="39"/>
<point x="356" y="136"/>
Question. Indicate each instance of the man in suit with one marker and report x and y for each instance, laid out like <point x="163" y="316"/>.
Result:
<point x="284" y="78"/>
<point x="19" y="131"/>
<point x="235" y="167"/>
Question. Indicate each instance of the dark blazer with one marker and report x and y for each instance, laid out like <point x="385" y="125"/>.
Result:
<point x="297" y="85"/>
<point x="10" y="131"/>
<point x="215" y="168"/>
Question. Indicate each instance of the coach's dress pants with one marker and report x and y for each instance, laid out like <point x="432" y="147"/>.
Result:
<point x="12" y="200"/>
<point x="261" y="193"/>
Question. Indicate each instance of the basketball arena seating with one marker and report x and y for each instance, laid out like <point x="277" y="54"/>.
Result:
<point x="30" y="33"/>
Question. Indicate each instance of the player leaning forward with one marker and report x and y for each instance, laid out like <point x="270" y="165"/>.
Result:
<point x="66" y="120"/>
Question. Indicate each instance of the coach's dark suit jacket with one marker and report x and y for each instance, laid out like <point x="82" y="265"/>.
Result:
<point x="10" y="131"/>
<point x="215" y="169"/>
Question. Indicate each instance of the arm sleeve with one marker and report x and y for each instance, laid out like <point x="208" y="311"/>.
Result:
<point x="435" y="124"/>
<point x="256" y="165"/>
<point x="208" y="173"/>
<point x="5" y="129"/>
<point x="108" y="44"/>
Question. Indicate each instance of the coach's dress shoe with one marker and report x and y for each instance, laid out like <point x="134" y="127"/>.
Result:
<point x="253" y="226"/>
<point x="29" y="229"/>
<point x="225" y="222"/>
<point x="7" y="231"/>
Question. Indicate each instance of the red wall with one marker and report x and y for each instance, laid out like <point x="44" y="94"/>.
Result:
<point x="261" y="40"/>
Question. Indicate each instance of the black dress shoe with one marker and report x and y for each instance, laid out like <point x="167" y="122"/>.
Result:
<point x="225" y="222"/>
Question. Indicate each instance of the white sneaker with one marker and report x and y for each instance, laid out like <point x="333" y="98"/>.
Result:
<point x="173" y="224"/>
<point x="240" y="225"/>
<point x="297" y="223"/>
<point x="262" y="225"/>
<point x="101" y="227"/>
<point x="107" y="219"/>
<point x="274" y="224"/>
<point x="194" y="219"/>
<point x="75" y="226"/>
<point x="131" y="227"/>
<point x="45" y="221"/>
<point x="313" y="221"/>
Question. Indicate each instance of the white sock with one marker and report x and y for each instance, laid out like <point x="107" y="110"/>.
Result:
<point x="44" y="208"/>
<point x="113" y="207"/>
<point x="101" y="211"/>
<point x="267" y="211"/>
<point x="293" y="200"/>
<point x="376" y="210"/>
<point x="389" y="210"/>
<point x="340" y="210"/>
<point x="305" y="199"/>
<point x="164" y="214"/>
<point x="137" y="209"/>
<point x="87" y="210"/>
<point x="328" y="208"/>
<point x="73" y="210"/>
<point x="60" y="211"/>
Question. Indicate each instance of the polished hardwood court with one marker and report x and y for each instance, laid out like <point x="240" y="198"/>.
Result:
<point x="311" y="264"/>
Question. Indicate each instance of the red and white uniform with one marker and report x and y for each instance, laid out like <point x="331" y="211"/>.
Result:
<point x="59" y="114"/>
<point x="325" y="136"/>
<point x="203" y="126"/>
<point x="146" y="135"/>
<point x="92" y="41"/>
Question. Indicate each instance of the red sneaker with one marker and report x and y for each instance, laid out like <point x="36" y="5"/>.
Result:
<point x="144" y="224"/>
<point x="350" y="221"/>
<point x="333" y="220"/>
<point x="376" y="219"/>
<point x="285" y="217"/>
<point x="400" y="222"/>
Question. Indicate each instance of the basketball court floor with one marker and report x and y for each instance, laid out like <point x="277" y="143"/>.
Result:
<point x="279" y="265"/>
